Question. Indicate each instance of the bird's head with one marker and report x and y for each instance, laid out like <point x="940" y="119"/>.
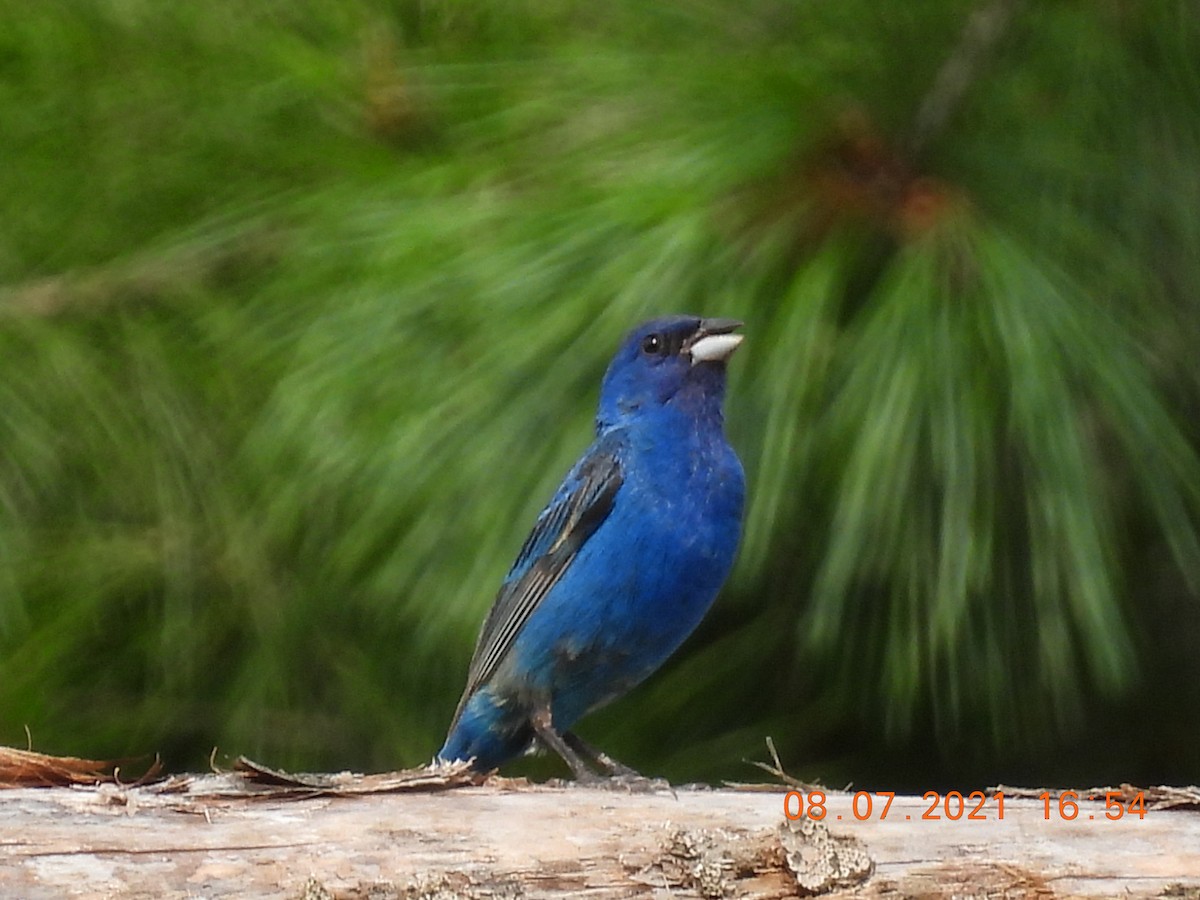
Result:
<point x="677" y="360"/>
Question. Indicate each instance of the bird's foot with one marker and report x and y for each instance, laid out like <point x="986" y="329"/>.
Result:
<point x="578" y="753"/>
<point x="631" y="782"/>
<point x="617" y="769"/>
<point x="598" y="758"/>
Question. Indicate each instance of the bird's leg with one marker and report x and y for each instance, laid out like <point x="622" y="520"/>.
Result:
<point x="620" y="776"/>
<point x="598" y="758"/>
<point x="572" y="749"/>
<point x="543" y="726"/>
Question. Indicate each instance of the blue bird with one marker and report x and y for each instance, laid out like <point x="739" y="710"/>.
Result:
<point x="622" y="564"/>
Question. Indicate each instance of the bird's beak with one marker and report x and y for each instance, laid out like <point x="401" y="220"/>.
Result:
<point x="714" y="340"/>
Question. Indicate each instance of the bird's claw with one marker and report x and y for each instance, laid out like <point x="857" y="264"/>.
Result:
<point x="629" y="782"/>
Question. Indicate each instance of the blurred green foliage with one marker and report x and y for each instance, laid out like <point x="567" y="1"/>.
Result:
<point x="303" y="308"/>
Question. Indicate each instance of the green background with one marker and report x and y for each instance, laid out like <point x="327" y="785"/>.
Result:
<point x="304" y="307"/>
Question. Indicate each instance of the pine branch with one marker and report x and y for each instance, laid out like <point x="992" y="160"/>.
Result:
<point x="980" y="36"/>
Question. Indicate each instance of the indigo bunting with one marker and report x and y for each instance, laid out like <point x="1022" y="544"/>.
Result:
<point x="624" y="561"/>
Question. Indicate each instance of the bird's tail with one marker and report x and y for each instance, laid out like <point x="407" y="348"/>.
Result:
<point x="487" y="733"/>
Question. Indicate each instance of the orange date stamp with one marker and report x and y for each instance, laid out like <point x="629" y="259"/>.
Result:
<point x="953" y="806"/>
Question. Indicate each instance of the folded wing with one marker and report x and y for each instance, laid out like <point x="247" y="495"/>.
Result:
<point x="583" y="502"/>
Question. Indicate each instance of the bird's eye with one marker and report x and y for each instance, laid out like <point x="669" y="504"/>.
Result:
<point x="652" y="343"/>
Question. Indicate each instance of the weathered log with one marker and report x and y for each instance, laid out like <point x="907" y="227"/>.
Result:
<point x="349" y="837"/>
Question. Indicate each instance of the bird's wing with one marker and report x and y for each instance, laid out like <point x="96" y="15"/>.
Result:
<point x="582" y="503"/>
